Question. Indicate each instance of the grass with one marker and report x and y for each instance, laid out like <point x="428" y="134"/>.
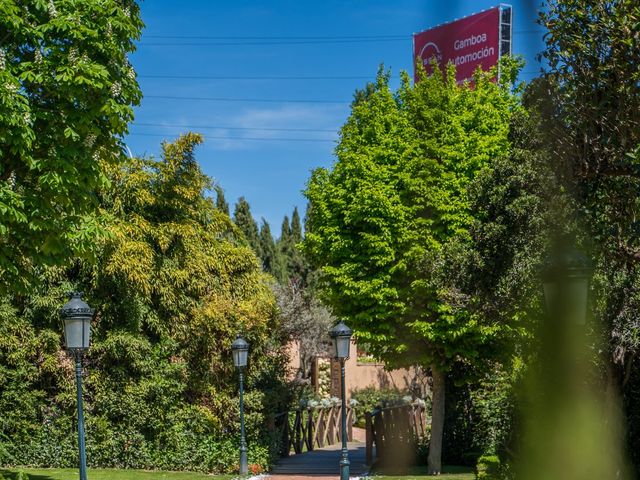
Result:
<point x="108" y="474"/>
<point x="420" y="473"/>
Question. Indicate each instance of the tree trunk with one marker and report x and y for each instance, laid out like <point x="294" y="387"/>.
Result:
<point x="434" y="461"/>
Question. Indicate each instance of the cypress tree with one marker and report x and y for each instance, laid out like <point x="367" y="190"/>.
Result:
<point x="285" y="231"/>
<point x="221" y="202"/>
<point x="272" y="261"/>
<point x="245" y="222"/>
<point x="296" y="227"/>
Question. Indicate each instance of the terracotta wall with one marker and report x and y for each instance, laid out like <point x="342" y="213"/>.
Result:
<point x="362" y="375"/>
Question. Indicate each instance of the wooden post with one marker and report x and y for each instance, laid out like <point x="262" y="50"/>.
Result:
<point x="380" y="433"/>
<point x="369" y="437"/>
<point x="297" y="427"/>
<point x="330" y="433"/>
<point x="321" y="428"/>
<point x="286" y="438"/>
<point x="310" y="431"/>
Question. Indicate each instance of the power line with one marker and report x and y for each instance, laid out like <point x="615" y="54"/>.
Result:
<point x="219" y="77"/>
<point x="208" y="41"/>
<point x="144" y="124"/>
<point x="279" y="37"/>
<point x="266" y="43"/>
<point x="240" y="139"/>
<point x="258" y="100"/>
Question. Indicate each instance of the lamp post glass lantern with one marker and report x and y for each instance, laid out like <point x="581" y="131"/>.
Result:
<point x="240" y="350"/>
<point x="341" y="337"/>
<point x="566" y="277"/>
<point x="76" y="316"/>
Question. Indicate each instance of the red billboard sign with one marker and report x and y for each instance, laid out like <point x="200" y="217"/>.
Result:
<point x="476" y="40"/>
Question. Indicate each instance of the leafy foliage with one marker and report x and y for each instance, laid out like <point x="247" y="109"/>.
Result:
<point x="394" y="212"/>
<point x="390" y="224"/>
<point x="66" y="91"/>
<point x="173" y="286"/>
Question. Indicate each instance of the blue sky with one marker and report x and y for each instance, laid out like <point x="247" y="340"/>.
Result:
<point x="265" y="148"/>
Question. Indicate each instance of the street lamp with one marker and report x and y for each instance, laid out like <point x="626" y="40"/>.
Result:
<point x="77" y="316"/>
<point x="341" y="336"/>
<point x="566" y="276"/>
<point x="240" y="349"/>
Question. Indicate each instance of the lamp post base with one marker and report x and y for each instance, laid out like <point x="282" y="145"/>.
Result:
<point x="344" y="467"/>
<point x="244" y="466"/>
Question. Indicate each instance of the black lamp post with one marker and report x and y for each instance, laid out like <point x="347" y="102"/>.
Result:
<point x="240" y="350"/>
<point x="566" y="276"/>
<point x="341" y="336"/>
<point x="77" y="316"/>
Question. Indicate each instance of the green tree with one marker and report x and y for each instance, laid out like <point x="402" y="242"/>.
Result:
<point x="66" y="95"/>
<point x="221" y="202"/>
<point x="247" y="225"/>
<point x="295" y="266"/>
<point x="296" y="227"/>
<point x="272" y="261"/>
<point x="173" y="285"/>
<point x="392" y="217"/>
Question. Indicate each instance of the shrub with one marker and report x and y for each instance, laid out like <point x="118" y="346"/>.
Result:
<point x="488" y="468"/>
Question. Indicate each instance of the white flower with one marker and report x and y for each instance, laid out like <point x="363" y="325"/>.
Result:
<point x="52" y="9"/>
<point x="407" y="399"/>
<point x="312" y="403"/>
<point x="116" y="89"/>
<point x="38" y="55"/>
<point x="335" y="400"/>
<point x="131" y="74"/>
<point x="73" y="54"/>
<point x="326" y="403"/>
<point x="353" y="402"/>
<point x="27" y="117"/>
<point x="90" y="140"/>
<point x="126" y="11"/>
<point x="420" y="402"/>
<point x="3" y="59"/>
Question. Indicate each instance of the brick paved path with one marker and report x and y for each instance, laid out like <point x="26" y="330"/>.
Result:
<point x="321" y="464"/>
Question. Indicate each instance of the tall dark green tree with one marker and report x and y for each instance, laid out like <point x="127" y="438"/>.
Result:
<point x="296" y="227"/>
<point x="244" y="221"/>
<point x="285" y="230"/>
<point x="221" y="202"/>
<point x="289" y="245"/>
<point x="270" y="254"/>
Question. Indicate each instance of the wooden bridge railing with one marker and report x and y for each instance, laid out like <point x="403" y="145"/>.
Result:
<point x="394" y="429"/>
<point x="305" y="429"/>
